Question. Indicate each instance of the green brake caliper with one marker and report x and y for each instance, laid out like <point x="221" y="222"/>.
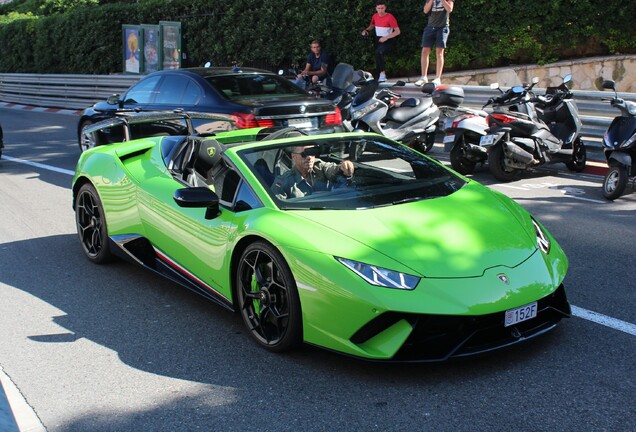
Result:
<point x="256" y="302"/>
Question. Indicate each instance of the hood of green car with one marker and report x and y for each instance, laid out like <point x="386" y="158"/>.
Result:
<point x="460" y="235"/>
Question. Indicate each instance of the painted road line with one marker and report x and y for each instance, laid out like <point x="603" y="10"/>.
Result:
<point x="610" y="322"/>
<point x="17" y="415"/>
<point x="39" y="165"/>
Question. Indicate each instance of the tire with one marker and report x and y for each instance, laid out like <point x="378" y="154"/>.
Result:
<point x="459" y="162"/>
<point x="268" y="298"/>
<point x="426" y="145"/>
<point x="91" y="225"/>
<point x="497" y="166"/>
<point x="579" y="157"/>
<point x="86" y="143"/>
<point x="615" y="182"/>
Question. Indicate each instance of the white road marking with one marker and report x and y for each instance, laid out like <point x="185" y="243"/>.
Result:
<point x="39" y="165"/>
<point x="610" y="322"/>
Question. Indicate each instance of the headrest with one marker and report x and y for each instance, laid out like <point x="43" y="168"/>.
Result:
<point x="209" y="152"/>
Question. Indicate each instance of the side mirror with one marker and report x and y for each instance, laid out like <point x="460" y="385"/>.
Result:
<point x="207" y="64"/>
<point x="567" y="78"/>
<point x="494" y="86"/>
<point x="281" y="72"/>
<point x="609" y="84"/>
<point x="198" y="197"/>
<point x="428" y="88"/>
<point x="535" y="80"/>
<point x="113" y="99"/>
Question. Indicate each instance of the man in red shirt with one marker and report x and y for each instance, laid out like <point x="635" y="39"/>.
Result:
<point x="386" y="28"/>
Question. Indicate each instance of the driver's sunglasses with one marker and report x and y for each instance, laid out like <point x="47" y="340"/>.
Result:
<point x="303" y="154"/>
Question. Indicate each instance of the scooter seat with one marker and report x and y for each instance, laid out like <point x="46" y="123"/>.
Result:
<point x="408" y="109"/>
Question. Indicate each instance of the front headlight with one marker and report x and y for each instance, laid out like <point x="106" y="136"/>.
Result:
<point x="366" y="110"/>
<point x="543" y="242"/>
<point x="381" y="277"/>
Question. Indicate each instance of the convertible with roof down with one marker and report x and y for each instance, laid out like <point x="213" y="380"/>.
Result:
<point x="404" y="260"/>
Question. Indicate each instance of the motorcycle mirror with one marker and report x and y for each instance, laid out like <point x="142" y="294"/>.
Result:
<point x="281" y="72"/>
<point x="535" y="80"/>
<point x="609" y="84"/>
<point x="207" y="64"/>
<point x="567" y="78"/>
<point x="428" y="88"/>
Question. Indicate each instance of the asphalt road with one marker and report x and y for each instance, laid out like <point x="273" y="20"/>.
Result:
<point x="115" y="348"/>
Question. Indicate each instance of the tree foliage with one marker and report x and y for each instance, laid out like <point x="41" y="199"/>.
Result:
<point x="84" y="36"/>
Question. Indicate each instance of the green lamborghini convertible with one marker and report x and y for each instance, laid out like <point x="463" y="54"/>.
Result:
<point x="350" y="241"/>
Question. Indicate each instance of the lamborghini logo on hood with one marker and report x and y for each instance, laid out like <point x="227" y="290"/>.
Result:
<point x="211" y="151"/>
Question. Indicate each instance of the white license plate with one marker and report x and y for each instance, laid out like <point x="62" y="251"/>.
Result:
<point x="487" y="140"/>
<point x="520" y="314"/>
<point x="300" y="123"/>
<point x="449" y="139"/>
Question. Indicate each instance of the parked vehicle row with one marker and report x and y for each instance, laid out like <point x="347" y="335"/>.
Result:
<point x="522" y="131"/>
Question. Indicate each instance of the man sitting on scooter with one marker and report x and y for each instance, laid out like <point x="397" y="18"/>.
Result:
<point x="317" y="66"/>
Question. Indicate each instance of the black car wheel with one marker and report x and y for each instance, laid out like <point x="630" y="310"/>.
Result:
<point x="86" y="141"/>
<point x="615" y="182"/>
<point x="579" y="157"/>
<point x="497" y="165"/>
<point x="459" y="162"/>
<point x="268" y="298"/>
<point x="91" y="225"/>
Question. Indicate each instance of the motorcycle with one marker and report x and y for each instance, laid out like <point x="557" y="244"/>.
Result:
<point x="365" y="107"/>
<point x="527" y="131"/>
<point x="619" y="145"/>
<point x="463" y="129"/>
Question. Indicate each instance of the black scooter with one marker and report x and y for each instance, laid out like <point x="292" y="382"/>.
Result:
<point x="619" y="145"/>
<point x="545" y="129"/>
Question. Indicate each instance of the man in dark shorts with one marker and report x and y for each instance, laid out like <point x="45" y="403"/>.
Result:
<point x="435" y="33"/>
<point x="317" y="65"/>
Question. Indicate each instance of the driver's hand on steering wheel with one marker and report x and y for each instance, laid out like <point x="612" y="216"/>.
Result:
<point x="346" y="166"/>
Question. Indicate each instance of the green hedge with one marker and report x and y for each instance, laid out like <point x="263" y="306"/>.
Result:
<point x="73" y="36"/>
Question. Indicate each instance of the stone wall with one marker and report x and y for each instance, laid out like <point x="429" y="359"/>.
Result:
<point x="587" y="74"/>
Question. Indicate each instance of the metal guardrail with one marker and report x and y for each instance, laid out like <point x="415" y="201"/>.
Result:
<point x="81" y="91"/>
<point x="62" y="91"/>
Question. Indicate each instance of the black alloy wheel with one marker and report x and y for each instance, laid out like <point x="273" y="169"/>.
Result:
<point x="615" y="182"/>
<point x="579" y="157"/>
<point x="86" y="141"/>
<point x="91" y="225"/>
<point x="268" y="298"/>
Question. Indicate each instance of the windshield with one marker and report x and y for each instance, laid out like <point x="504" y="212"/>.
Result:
<point x="354" y="172"/>
<point x="241" y="86"/>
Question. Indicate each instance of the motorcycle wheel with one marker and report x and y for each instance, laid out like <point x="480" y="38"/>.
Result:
<point x="615" y="182"/>
<point x="579" y="157"/>
<point x="426" y="145"/>
<point x="459" y="162"/>
<point x="497" y="165"/>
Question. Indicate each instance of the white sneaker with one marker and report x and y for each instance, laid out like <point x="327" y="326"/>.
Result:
<point x="382" y="77"/>
<point x="421" y="81"/>
<point x="437" y="81"/>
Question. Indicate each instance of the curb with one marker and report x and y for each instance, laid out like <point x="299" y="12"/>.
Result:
<point x="16" y="415"/>
<point x="11" y="105"/>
